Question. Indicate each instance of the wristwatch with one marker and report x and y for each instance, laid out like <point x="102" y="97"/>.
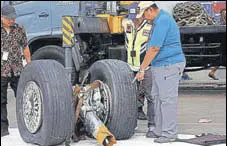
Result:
<point x="142" y="71"/>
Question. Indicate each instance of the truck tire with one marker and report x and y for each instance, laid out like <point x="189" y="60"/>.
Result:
<point x="123" y="107"/>
<point x="44" y="103"/>
<point x="56" y="53"/>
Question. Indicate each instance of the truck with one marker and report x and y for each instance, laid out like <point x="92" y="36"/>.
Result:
<point x="43" y="26"/>
<point x="93" y="52"/>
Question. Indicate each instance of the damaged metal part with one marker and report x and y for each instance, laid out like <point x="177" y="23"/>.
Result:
<point x="93" y="108"/>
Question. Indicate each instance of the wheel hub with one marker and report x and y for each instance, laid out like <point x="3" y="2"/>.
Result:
<point x="100" y="102"/>
<point x="32" y="106"/>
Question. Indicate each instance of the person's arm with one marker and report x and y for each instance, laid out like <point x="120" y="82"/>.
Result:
<point x="27" y="54"/>
<point x="24" y="43"/>
<point x="150" y="55"/>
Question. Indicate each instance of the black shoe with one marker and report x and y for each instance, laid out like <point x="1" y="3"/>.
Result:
<point x="150" y="134"/>
<point x="141" y="115"/>
<point x="212" y="76"/>
<point x="4" y="133"/>
<point x="164" y="140"/>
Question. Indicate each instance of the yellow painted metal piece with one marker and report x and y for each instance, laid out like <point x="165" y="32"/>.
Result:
<point x="117" y="24"/>
<point x="127" y="2"/>
<point x="68" y="30"/>
<point x="102" y="133"/>
<point x="114" y="22"/>
<point x="109" y="19"/>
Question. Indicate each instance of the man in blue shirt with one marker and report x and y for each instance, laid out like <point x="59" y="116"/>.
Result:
<point x="164" y="53"/>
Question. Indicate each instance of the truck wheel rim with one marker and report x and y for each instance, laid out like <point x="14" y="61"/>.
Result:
<point x="32" y="106"/>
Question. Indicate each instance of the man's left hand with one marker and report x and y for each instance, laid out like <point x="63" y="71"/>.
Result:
<point x="140" y="76"/>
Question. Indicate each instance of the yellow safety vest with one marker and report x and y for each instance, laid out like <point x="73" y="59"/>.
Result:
<point x="136" y="41"/>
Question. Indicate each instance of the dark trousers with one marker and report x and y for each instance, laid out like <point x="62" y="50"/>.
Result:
<point x="13" y="81"/>
<point x="145" y="92"/>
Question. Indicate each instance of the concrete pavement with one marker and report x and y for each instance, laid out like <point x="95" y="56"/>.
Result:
<point x="136" y="140"/>
<point x="200" y="80"/>
<point x="192" y="106"/>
